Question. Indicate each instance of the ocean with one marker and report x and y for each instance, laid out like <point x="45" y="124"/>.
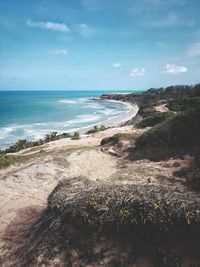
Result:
<point x="32" y="114"/>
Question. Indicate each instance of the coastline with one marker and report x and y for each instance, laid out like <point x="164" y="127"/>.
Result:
<point x="85" y="172"/>
<point x="113" y="122"/>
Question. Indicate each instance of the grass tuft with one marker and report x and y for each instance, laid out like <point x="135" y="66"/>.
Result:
<point x="145" y="218"/>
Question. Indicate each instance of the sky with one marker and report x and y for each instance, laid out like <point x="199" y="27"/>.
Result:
<point x="98" y="44"/>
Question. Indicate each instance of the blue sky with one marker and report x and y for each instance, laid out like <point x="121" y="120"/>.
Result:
<point x="98" y="44"/>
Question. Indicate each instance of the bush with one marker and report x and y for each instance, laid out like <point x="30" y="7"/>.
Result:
<point x="19" y="145"/>
<point x="76" y="136"/>
<point x="145" y="221"/>
<point x="113" y="140"/>
<point x="50" y="137"/>
<point x="178" y="134"/>
<point x="23" y="144"/>
<point x="182" y="104"/>
<point x="97" y="129"/>
<point x="5" y="160"/>
<point x="191" y="173"/>
<point x="64" y="135"/>
<point x="146" y="112"/>
<point x="155" y="119"/>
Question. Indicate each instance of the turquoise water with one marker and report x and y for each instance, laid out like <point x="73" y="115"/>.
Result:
<point x="32" y="114"/>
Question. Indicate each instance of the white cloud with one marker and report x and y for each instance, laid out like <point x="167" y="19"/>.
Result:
<point x="59" y="52"/>
<point x="48" y="25"/>
<point x="137" y="72"/>
<point x="117" y="65"/>
<point x="194" y="50"/>
<point x="174" y="69"/>
<point x="84" y="29"/>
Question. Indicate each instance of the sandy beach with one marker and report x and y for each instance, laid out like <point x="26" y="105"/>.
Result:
<point x="116" y="121"/>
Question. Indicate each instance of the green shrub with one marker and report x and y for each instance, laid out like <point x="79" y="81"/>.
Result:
<point x="112" y="140"/>
<point x="76" y="136"/>
<point x="23" y="144"/>
<point x="182" y="104"/>
<point x="5" y="160"/>
<point x="191" y="173"/>
<point x="52" y="136"/>
<point x="64" y="135"/>
<point x="116" y="138"/>
<point x="155" y="119"/>
<point x="97" y="129"/>
<point x="19" y="145"/>
<point x="146" y="112"/>
<point x="180" y="133"/>
<point x="143" y="219"/>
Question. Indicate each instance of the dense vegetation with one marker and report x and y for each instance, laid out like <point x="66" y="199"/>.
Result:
<point x="170" y="134"/>
<point x="22" y="144"/>
<point x="115" y="139"/>
<point x="97" y="129"/>
<point x="154" y="119"/>
<point x="76" y="136"/>
<point x="178" y="96"/>
<point x="147" y="221"/>
<point x="176" y="135"/>
<point x="52" y="136"/>
<point x="6" y="160"/>
<point x="173" y="134"/>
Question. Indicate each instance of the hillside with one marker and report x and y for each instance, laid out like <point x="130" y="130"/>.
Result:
<point x="126" y="196"/>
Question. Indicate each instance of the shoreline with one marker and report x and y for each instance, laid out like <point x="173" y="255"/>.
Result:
<point x="112" y="122"/>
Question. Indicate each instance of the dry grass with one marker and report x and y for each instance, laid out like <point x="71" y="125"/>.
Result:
<point x="145" y="218"/>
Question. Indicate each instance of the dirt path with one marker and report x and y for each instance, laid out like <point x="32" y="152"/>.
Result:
<point x="162" y="108"/>
<point x="30" y="182"/>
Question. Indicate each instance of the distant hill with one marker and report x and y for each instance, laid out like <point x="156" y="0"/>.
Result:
<point x="180" y="134"/>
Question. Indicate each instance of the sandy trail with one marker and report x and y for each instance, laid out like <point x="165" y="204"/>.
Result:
<point x="30" y="183"/>
<point x="162" y="108"/>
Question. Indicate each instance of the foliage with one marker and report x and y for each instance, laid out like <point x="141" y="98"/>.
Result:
<point x="151" y="97"/>
<point x="184" y="103"/>
<point x="19" y="145"/>
<point x="155" y="119"/>
<point x="23" y="144"/>
<point x="50" y="137"/>
<point x="111" y="140"/>
<point x="178" y="134"/>
<point x="76" y="136"/>
<point x="5" y="160"/>
<point x="146" y="112"/>
<point x="116" y="138"/>
<point x="81" y="212"/>
<point x="191" y="173"/>
<point x="97" y="129"/>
